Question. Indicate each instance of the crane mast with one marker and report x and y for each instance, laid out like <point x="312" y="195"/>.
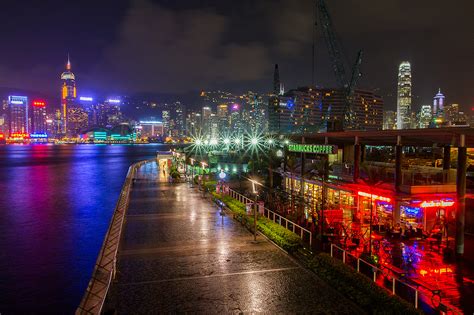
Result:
<point x="334" y="46"/>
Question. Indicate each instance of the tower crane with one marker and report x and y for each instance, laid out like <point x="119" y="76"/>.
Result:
<point x="345" y="82"/>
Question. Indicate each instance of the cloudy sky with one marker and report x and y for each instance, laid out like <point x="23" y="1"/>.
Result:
<point x="134" y="46"/>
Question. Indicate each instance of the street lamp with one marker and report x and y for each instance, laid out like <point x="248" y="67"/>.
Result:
<point x="192" y="172"/>
<point x="254" y="190"/>
<point x="203" y="164"/>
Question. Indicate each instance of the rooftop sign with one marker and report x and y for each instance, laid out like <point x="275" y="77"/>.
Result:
<point x="313" y="148"/>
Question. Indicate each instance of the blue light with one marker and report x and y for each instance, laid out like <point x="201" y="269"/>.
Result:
<point x="86" y="98"/>
<point x="290" y="104"/>
<point x="38" y="135"/>
<point x="414" y="211"/>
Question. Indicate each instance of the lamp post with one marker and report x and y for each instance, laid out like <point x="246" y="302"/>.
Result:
<point x="192" y="172"/>
<point x="254" y="190"/>
<point x="203" y="164"/>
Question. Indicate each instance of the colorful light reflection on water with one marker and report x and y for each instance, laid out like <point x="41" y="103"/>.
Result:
<point x="55" y="206"/>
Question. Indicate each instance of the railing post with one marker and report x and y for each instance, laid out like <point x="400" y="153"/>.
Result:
<point x="416" y="298"/>
<point x="358" y="264"/>
<point x="331" y="249"/>
<point x="393" y="285"/>
<point x="293" y="228"/>
<point x="375" y="275"/>
<point x="301" y="233"/>
<point x="344" y="256"/>
<point x="310" y="239"/>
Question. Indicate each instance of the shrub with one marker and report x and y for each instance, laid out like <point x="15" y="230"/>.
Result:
<point x="284" y="238"/>
<point x="357" y="287"/>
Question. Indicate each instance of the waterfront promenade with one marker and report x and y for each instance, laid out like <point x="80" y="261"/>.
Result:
<point x="178" y="254"/>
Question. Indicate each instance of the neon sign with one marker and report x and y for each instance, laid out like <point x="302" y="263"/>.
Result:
<point x="413" y="211"/>
<point x="86" y="98"/>
<point x="112" y="100"/>
<point x="313" y="148"/>
<point x="39" y="103"/>
<point x="38" y="135"/>
<point x="437" y="203"/>
<point x="19" y="135"/>
<point x="376" y="197"/>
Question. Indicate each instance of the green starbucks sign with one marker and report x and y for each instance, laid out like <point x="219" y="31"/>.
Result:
<point x="313" y="148"/>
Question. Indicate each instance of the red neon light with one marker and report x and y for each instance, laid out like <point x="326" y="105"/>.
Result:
<point x="39" y="103"/>
<point x="2" y="136"/>
<point x="436" y="203"/>
<point x="364" y="194"/>
<point x="19" y="135"/>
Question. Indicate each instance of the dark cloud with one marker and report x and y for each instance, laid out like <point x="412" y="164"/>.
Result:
<point x="167" y="50"/>
<point x="177" y="46"/>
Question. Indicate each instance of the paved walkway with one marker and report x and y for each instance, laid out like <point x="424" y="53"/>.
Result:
<point x="179" y="255"/>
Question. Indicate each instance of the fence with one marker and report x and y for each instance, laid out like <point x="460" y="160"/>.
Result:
<point x="389" y="280"/>
<point x="305" y="234"/>
<point x="105" y="267"/>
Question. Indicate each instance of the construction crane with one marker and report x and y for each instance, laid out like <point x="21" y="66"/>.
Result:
<point x="336" y="53"/>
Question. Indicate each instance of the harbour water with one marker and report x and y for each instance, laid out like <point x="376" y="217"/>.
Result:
<point x="56" y="202"/>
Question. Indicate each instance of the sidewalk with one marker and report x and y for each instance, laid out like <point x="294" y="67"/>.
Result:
<point x="179" y="255"/>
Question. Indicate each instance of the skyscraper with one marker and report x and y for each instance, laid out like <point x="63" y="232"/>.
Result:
<point x="438" y="105"/>
<point x="18" y="106"/>
<point x="425" y="116"/>
<point x="68" y="93"/>
<point x="404" y="96"/>
<point x="276" y="80"/>
<point x="39" y="117"/>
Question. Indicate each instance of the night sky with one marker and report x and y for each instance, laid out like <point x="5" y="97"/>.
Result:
<point x="136" y="46"/>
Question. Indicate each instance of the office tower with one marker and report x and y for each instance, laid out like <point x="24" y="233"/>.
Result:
<point x="206" y="114"/>
<point x="193" y="124"/>
<point x="276" y="81"/>
<point x="165" y="118"/>
<point x="389" y="120"/>
<point x="438" y="105"/>
<point x="179" y="118"/>
<point x="236" y="124"/>
<point x="425" y="116"/>
<point x="18" y="119"/>
<point x="78" y="119"/>
<point x="39" y="117"/>
<point x="68" y="93"/>
<point x="404" y="96"/>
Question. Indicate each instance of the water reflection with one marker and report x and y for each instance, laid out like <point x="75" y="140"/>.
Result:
<point x="55" y="206"/>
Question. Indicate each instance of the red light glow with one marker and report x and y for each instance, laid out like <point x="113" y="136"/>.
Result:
<point x="39" y="103"/>
<point x="19" y="135"/>
<point x="376" y="197"/>
<point x="436" y="203"/>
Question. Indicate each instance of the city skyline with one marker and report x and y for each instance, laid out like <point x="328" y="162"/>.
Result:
<point x="248" y="56"/>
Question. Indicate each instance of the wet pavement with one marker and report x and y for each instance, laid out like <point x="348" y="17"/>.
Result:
<point x="179" y="255"/>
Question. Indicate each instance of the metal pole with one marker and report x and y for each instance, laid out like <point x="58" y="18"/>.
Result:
<point x="255" y="221"/>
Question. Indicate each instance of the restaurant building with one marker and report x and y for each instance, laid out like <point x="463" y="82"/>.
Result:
<point x="397" y="195"/>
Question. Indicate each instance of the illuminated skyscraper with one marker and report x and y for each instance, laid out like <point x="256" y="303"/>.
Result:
<point x="425" y="116"/>
<point x="68" y="93"/>
<point x="404" y="96"/>
<point x="18" y="114"/>
<point x="39" y="117"/>
<point x="438" y="104"/>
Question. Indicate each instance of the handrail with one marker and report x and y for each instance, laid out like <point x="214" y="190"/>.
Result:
<point x="394" y="278"/>
<point x="105" y="266"/>
<point x="246" y="200"/>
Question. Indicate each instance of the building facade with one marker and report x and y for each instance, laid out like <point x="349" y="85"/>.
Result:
<point x="39" y="117"/>
<point x="404" y="96"/>
<point x="68" y="94"/>
<point x="18" y="115"/>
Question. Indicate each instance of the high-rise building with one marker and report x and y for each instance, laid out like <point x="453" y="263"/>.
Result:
<point x="404" y="96"/>
<point x="68" y="93"/>
<point x="276" y="81"/>
<point x="205" y="117"/>
<point x="165" y="118"/>
<point x="389" y="120"/>
<point x="179" y="118"/>
<point x="39" y="117"/>
<point x="425" y="116"/>
<point x="438" y="105"/>
<point x="18" y="117"/>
